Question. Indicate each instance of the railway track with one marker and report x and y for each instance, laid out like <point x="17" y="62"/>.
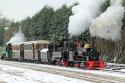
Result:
<point x="74" y="74"/>
<point x="115" y="68"/>
<point x="115" y="71"/>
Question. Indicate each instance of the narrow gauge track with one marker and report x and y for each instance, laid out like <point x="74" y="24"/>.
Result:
<point x="115" y="70"/>
<point x="68" y="73"/>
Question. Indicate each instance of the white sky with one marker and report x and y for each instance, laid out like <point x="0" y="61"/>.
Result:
<point x="19" y="9"/>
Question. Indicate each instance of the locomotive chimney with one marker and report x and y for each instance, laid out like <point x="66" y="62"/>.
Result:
<point x="93" y="43"/>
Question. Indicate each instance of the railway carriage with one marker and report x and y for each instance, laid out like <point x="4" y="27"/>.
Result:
<point x="28" y="51"/>
<point x="16" y="51"/>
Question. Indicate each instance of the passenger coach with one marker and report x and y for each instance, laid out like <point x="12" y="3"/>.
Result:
<point x="29" y="51"/>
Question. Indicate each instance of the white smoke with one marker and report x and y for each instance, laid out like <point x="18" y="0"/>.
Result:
<point x="83" y="14"/>
<point x="18" y="37"/>
<point x="108" y="25"/>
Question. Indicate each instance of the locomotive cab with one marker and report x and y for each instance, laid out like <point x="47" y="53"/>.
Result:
<point x="55" y="53"/>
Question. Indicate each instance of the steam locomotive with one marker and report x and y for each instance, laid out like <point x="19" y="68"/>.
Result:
<point x="76" y="54"/>
<point x="68" y="53"/>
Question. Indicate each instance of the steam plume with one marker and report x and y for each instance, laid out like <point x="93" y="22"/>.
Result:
<point x="108" y="25"/>
<point x="83" y="14"/>
<point x="18" y="37"/>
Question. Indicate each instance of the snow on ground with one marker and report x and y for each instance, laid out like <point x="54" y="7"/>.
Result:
<point x="123" y="70"/>
<point x="18" y="75"/>
<point x="11" y="74"/>
<point x="97" y="72"/>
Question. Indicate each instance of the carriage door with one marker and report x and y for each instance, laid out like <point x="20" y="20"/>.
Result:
<point x="33" y="46"/>
<point x="21" y="51"/>
<point x="38" y="51"/>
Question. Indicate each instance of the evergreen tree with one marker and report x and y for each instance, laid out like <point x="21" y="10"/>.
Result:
<point x="59" y="24"/>
<point x="48" y="24"/>
<point x="105" y="5"/>
<point x="40" y="23"/>
<point x="26" y="28"/>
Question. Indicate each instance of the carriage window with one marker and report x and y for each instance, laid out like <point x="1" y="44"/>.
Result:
<point x="28" y="47"/>
<point x="37" y="46"/>
<point x="16" y="47"/>
<point x="41" y="46"/>
<point x="13" y="53"/>
<point x="44" y="45"/>
<point x="25" y="47"/>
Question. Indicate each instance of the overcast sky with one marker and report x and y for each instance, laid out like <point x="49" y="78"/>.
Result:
<point x="20" y="9"/>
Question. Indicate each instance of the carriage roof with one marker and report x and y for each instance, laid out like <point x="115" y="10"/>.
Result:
<point x="32" y="42"/>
